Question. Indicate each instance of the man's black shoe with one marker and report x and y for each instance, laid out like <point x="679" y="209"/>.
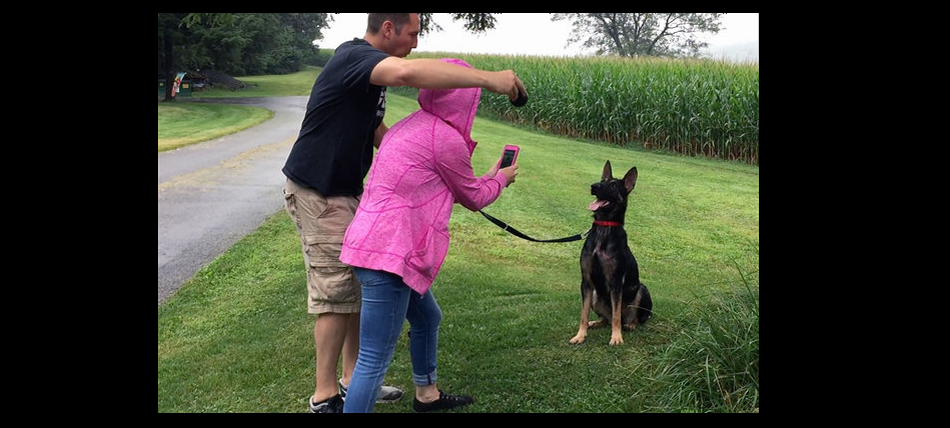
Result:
<point x="444" y="402"/>
<point x="387" y="394"/>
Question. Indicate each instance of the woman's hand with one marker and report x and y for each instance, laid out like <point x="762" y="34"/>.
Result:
<point x="510" y="172"/>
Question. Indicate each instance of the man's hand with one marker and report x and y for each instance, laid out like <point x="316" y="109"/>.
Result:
<point x="505" y="82"/>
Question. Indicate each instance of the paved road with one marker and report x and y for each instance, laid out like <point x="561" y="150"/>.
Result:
<point x="213" y="193"/>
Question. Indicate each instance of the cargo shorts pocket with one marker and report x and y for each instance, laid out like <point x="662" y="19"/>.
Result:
<point x="331" y="279"/>
<point x="290" y="205"/>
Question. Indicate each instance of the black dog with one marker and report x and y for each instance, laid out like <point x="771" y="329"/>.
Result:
<point x="610" y="278"/>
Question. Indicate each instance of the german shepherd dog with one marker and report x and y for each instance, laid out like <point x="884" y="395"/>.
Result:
<point x="610" y="278"/>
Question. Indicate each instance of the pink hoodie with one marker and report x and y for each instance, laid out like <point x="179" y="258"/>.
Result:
<point x="423" y="166"/>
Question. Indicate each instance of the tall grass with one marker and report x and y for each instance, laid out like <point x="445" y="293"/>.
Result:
<point x="713" y="363"/>
<point x="694" y="107"/>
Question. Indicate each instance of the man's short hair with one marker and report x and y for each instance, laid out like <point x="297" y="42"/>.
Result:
<point x="376" y="20"/>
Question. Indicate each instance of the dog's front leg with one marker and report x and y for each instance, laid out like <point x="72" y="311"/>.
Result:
<point x="585" y="315"/>
<point x="616" y="301"/>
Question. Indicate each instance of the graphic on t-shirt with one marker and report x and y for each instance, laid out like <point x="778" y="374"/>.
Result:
<point x="381" y="105"/>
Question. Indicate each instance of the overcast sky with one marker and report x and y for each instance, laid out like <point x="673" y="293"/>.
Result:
<point x="536" y="34"/>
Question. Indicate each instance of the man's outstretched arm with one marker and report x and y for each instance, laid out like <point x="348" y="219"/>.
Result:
<point x="436" y="74"/>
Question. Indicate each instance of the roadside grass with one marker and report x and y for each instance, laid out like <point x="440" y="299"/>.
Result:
<point x="275" y="85"/>
<point x="237" y="338"/>
<point x="182" y="124"/>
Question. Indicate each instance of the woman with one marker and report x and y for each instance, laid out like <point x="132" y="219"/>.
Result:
<point x="399" y="238"/>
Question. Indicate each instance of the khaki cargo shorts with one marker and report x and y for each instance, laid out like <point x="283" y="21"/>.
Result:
<point x="321" y="222"/>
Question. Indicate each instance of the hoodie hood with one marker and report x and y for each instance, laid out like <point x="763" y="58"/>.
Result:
<point x="456" y="107"/>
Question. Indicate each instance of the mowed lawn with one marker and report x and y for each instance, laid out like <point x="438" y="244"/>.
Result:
<point x="237" y="338"/>
<point x="181" y="123"/>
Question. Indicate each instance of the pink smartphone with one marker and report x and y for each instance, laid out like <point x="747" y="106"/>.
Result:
<point x="509" y="155"/>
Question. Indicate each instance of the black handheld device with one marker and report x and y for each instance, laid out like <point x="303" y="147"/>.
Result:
<point x="521" y="100"/>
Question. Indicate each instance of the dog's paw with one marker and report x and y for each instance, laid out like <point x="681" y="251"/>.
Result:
<point x="616" y="340"/>
<point x="596" y="324"/>
<point x="578" y="339"/>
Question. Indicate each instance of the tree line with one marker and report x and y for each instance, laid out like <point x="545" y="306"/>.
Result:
<point x="238" y="43"/>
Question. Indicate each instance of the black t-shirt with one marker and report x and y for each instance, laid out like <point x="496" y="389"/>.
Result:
<point x="334" y="149"/>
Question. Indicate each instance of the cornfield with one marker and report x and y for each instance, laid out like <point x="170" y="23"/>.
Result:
<point x="693" y="107"/>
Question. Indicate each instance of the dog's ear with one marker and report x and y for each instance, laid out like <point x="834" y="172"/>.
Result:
<point x="630" y="179"/>
<point x="608" y="174"/>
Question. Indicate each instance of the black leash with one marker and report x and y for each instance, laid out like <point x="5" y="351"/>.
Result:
<point x="515" y="232"/>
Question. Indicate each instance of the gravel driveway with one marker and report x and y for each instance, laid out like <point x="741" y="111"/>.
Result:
<point x="212" y="194"/>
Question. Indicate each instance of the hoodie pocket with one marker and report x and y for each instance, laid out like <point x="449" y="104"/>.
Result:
<point x="427" y="258"/>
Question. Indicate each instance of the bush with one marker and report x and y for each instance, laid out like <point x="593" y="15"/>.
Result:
<point x="713" y="364"/>
<point x="320" y="57"/>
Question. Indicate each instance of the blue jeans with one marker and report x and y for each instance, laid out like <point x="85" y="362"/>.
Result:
<point x="387" y="301"/>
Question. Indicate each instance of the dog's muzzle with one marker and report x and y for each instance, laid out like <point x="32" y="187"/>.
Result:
<point x="594" y="188"/>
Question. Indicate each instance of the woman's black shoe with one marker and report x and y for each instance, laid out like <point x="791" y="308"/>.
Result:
<point x="333" y="404"/>
<point x="444" y="402"/>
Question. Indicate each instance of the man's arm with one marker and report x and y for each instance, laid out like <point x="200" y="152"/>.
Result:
<point x="380" y="133"/>
<point x="435" y="74"/>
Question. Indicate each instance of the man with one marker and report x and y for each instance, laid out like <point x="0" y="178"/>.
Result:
<point x="327" y="165"/>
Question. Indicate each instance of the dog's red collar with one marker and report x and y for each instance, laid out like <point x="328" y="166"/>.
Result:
<point x="606" y="223"/>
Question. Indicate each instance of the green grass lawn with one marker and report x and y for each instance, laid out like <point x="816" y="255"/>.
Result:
<point x="182" y="124"/>
<point x="237" y="338"/>
<point x="277" y="85"/>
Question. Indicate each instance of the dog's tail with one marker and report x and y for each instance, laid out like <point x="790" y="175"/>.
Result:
<point x="645" y="311"/>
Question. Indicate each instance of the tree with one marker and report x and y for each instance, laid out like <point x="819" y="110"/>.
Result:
<point x="635" y="34"/>
<point x="474" y="22"/>
<point x="236" y="43"/>
<point x="170" y="34"/>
